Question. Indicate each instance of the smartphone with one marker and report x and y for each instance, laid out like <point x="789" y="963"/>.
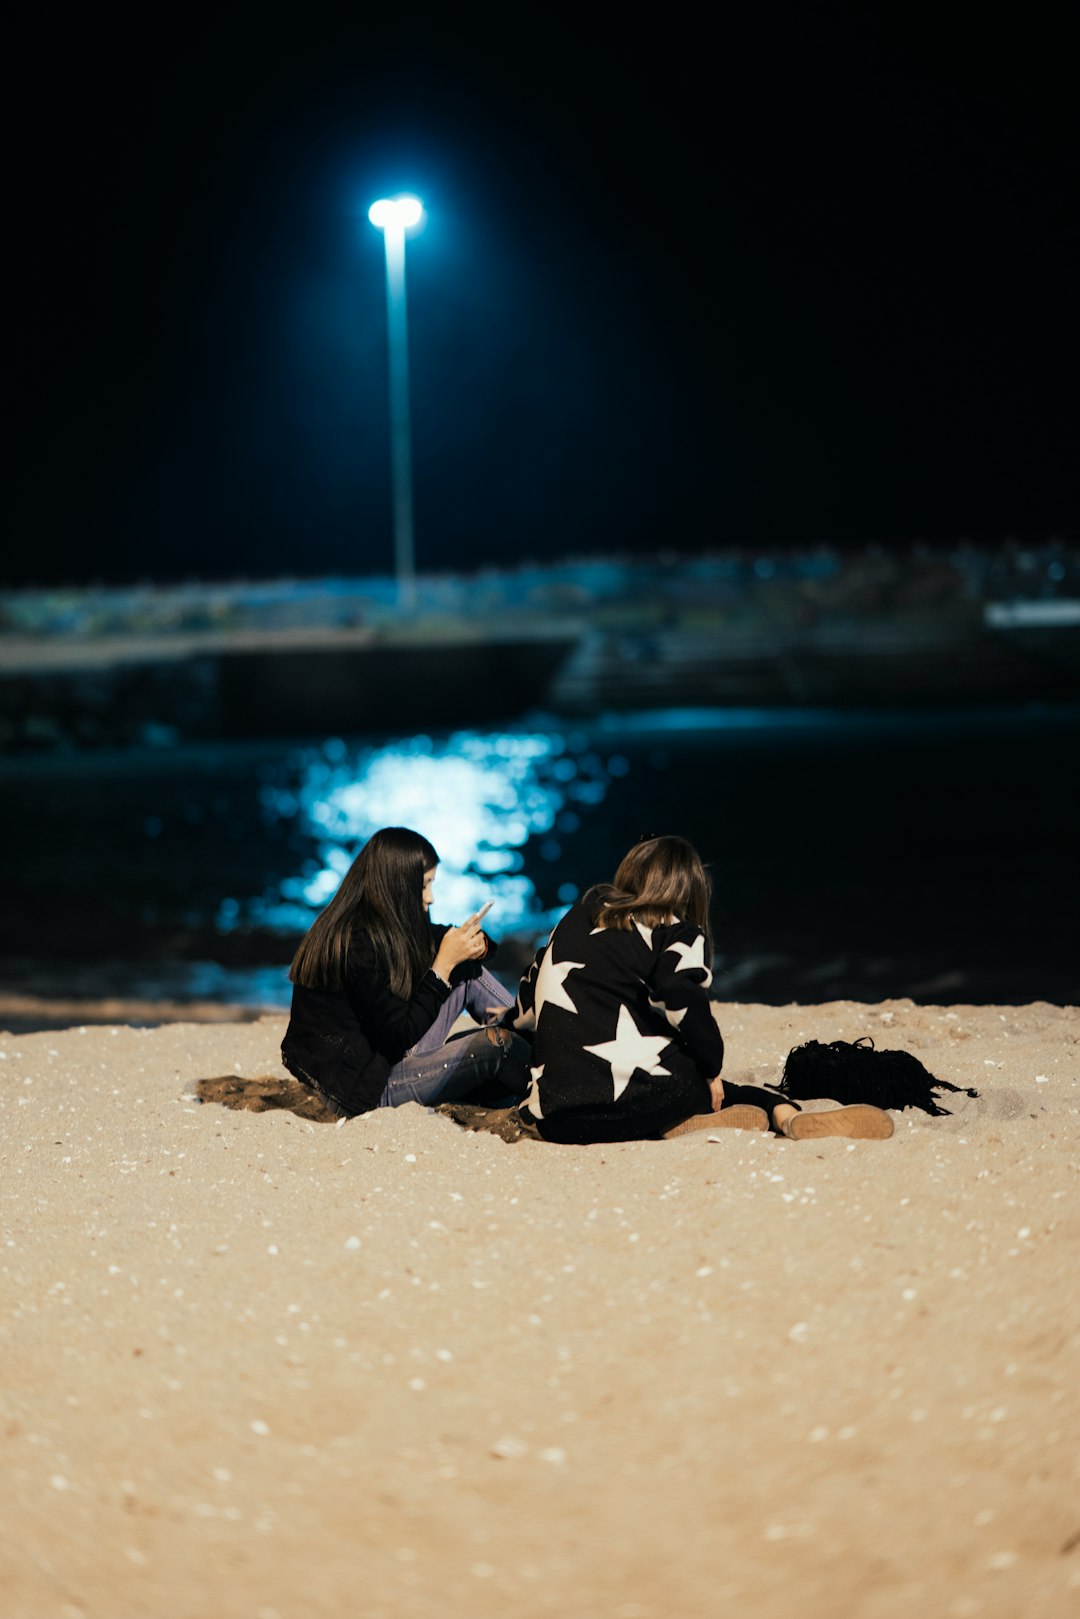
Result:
<point x="479" y="915"/>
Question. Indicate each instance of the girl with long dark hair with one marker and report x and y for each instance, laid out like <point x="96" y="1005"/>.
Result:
<point x="377" y="988"/>
<point x="625" y="1045"/>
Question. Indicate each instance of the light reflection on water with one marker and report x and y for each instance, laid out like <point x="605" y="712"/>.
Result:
<point x="829" y="885"/>
<point x="479" y="797"/>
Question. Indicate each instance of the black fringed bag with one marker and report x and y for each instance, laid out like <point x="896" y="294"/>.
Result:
<point x="855" y="1071"/>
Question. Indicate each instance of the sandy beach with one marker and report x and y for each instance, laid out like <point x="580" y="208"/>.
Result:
<point x="257" y="1365"/>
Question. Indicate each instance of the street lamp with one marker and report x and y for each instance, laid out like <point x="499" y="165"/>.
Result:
<point x="394" y="216"/>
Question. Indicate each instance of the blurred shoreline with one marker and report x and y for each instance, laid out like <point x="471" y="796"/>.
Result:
<point x="148" y="994"/>
<point x="152" y="664"/>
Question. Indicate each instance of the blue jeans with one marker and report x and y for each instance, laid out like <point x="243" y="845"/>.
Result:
<point x="443" y="1068"/>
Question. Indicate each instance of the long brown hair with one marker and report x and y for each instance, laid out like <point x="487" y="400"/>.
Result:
<point x="659" y="878"/>
<point x="382" y="895"/>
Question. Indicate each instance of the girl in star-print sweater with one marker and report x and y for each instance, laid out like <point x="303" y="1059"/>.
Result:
<point x="616" y="1004"/>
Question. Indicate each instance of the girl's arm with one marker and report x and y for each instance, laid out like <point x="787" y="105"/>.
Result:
<point x="391" y="1023"/>
<point x="678" y="988"/>
<point x="394" y="1024"/>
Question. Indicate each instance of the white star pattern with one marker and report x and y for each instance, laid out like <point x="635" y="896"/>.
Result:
<point x="525" y="1021"/>
<point x="693" y="955"/>
<point x="643" y="929"/>
<point x="630" y="1049"/>
<point x="594" y="931"/>
<point x="673" y="1014"/>
<point x="532" y="1101"/>
<point x="551" y="984"/>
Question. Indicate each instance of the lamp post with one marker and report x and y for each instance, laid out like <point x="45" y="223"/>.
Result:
<point x="394" y="216"/>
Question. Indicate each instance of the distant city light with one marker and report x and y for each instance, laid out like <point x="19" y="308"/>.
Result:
<point x="399" y="213"/>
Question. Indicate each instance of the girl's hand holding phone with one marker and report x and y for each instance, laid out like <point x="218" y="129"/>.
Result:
<point x="464" y="943"/>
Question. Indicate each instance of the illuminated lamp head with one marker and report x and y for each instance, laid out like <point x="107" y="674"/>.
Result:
<point x="396" y="213"/>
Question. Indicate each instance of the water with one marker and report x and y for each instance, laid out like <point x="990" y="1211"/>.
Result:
<point x="863" y="855"/>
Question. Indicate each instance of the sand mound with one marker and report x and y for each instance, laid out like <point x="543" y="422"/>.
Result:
<point x="263" y="1094"/>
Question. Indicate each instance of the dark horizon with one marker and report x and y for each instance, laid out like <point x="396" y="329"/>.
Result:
<point x="814" y="285"/>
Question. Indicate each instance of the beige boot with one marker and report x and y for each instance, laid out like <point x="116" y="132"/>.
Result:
<point x="739" y="1116"/>
<point x="859" y="1123"/>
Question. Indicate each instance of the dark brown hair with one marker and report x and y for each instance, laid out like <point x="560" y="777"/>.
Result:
<point x="659" y="878"/>
<point x="382" y="895"/>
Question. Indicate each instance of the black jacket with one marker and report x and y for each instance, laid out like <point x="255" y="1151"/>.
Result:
<point x="347" y="1040"/>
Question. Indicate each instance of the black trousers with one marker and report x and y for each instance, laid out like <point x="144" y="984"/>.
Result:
<point x="755" y="1096"/>
<point x="584" y="1125"/>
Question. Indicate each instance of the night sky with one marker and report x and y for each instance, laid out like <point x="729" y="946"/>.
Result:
<point x="802" y="275"/>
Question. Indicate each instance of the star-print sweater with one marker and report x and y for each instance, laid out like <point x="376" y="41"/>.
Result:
<point x="624" y="1040"/>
